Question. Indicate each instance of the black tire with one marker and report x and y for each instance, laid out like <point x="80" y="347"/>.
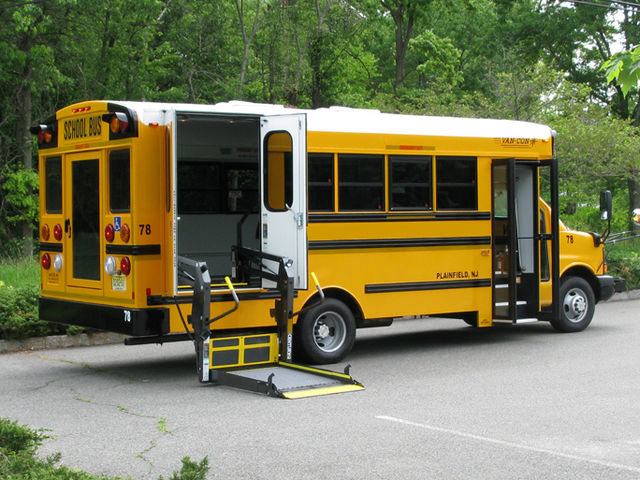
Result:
<point x="576" y="307"/>
<point x="325" y="333"/>
<point x="470" y="319"/>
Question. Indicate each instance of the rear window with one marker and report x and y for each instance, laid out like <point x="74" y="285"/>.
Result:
<point x="53" y="184"/>
<point x="119" y="181"/>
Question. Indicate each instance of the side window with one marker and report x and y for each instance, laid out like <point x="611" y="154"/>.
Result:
<point x="321" y="182"/>
<point x="53" y="184"/>
<point x="361" y="182"/>
<point x="456" y="183"/>
<point x="199" y="189"/>
<point x="278" y="171"/>
<point x="119" y="181"/>
<point x="410" y="182"/>
<point x="242" y="188"/>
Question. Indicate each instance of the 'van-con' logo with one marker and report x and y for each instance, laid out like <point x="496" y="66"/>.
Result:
<point x="516" y="142"/>
<point x="82" y="127"/>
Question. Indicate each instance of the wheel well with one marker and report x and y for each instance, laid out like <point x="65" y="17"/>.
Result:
<point x="345" y="298"/>
<point x="587" y="275"/>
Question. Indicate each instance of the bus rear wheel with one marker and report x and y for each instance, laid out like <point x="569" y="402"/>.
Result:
<point x="326" y="332"/>
<point x="577" y="307"/>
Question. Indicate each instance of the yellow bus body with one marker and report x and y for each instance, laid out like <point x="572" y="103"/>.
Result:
<point x="385" y="263"/>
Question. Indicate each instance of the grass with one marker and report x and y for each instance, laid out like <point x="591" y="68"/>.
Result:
<point x="22" y="272"/>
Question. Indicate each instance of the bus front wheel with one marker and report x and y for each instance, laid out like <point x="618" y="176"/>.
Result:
<point x="577" y="305"/>
<point x="326" y="333"/>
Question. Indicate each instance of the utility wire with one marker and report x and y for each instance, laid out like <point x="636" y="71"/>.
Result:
<point x="613" y="4"/>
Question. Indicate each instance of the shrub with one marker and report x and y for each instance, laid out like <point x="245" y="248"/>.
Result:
<point x="624" y="261"/>
<point x="18" y="445"/>
<point x="19" y="313"/>
<point x="16" y="438"/>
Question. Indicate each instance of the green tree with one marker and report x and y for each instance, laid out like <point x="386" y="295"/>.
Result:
<point x="29" y="75"/>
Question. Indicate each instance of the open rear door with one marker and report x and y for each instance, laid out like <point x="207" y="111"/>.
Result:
<point x="283" y="192"/>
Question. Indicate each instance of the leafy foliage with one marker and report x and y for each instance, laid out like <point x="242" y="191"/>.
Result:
<point x="624" y="69"/>
<point x="18" y="460"/>
<point x="536" y="60"/>
<point x="19" y="313"/>
<point x="624" y="261"/>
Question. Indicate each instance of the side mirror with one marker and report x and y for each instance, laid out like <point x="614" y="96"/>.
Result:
<point x="605" y="205"/>
<point x="636" y="217"/>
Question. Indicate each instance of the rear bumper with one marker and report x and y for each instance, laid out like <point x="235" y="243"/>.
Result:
<point x="128" y="321"/>
<point x="609" y="285"/>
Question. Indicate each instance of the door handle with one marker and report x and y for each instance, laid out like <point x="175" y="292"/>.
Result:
<point x="67" y="227"/>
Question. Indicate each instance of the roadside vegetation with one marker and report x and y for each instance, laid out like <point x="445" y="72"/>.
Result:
<point x="19" y="290"/>
<point x="18" y="459"/>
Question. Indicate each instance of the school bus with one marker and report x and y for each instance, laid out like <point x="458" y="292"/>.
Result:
<point x="397" y="215"/>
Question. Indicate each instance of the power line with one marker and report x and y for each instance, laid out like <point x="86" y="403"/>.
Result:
<point x="613" y="4"/>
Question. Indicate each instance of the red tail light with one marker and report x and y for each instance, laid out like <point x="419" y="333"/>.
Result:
<point x="109" y="233"/>
<point x="125" y="266"/>
<point x="46" y="261"/>
<point x="45" y="232"/>
<point x="57" y="232"/>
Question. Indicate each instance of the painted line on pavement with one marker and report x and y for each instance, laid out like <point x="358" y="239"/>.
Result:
<point x="510" y="444"/>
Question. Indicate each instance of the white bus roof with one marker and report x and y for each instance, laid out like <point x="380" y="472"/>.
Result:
<point x="355" y="120"/>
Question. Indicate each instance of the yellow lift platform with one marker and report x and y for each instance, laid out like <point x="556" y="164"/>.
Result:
<point x="259" y="361"/>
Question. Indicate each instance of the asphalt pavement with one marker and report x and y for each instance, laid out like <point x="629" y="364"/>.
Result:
<point x="442" y="401"/>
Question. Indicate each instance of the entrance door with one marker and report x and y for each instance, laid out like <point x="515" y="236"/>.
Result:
<point x="283" y="190"/>
<point x="518" y="240"/>
<point x="82" y="222"/>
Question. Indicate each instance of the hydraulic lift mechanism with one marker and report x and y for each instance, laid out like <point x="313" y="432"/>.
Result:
<point x="258" y="362"/>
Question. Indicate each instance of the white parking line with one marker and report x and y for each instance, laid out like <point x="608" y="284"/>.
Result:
<point x="510" y="444"/>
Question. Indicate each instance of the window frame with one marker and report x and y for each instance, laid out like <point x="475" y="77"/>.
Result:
<point x="328" y="185"/>
<point x="456" y="185"/>
<point x="380" y="184"/>
<point x="114" y="178"/>
<point x="57" y="185"/>
<point x="416" y="159"/>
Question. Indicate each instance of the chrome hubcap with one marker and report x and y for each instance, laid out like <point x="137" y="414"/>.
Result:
<point x="575" y="305"/>
<point x="329" y="331"/>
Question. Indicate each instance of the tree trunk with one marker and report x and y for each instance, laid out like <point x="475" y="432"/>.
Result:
<point x="24" y="110"/>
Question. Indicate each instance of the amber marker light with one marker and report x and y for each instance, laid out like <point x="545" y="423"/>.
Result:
<point x="125" y="233"/>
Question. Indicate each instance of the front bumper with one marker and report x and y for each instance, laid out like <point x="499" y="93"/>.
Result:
<point x="609" y="285"/>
